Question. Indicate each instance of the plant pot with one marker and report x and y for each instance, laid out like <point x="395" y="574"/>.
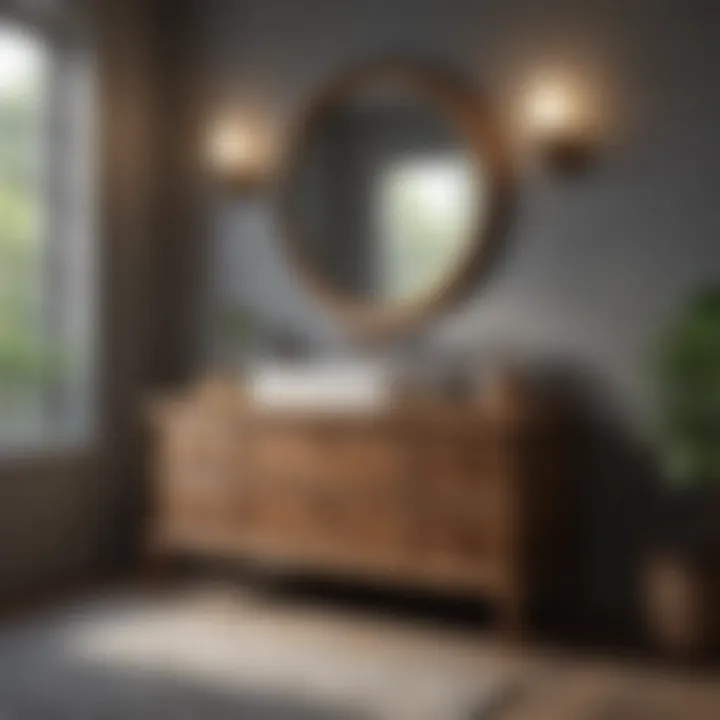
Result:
<point x="680" y="606"/>
<point x="680" y="577"/>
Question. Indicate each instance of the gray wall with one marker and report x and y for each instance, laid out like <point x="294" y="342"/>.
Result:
<point x="594" y="266"/>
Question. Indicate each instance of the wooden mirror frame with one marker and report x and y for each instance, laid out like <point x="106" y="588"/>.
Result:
<point x="468" y="111"/>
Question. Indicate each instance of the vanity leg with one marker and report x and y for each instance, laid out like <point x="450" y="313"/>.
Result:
<point x="511" y="619"/>
<point x="160" y="568"/>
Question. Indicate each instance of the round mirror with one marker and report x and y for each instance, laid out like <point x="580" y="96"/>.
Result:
<point x="392" y="192"/>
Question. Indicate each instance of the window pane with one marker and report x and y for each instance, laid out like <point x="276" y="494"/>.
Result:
<point x="44" y="266"/>
<point x="23" y="357"/>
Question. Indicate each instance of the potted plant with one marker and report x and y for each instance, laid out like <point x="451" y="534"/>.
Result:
<point x="681" y="570"/>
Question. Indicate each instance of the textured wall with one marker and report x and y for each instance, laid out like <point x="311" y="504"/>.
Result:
<point x="593" y="266"/>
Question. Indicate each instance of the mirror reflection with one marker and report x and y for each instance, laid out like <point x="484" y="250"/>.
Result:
<point x="385" y="196"/>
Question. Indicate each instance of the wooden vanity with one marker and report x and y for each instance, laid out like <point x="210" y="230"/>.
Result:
<point x="470" y="497"/>
<point x="462" y="499"/>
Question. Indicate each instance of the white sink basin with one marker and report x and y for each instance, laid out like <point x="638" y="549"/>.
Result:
<point x="328" y="386"/>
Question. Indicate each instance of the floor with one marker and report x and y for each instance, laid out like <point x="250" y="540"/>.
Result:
<point x="219" y="652"/>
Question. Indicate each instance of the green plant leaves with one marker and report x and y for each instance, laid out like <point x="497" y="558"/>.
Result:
<point x="687" y="369"/>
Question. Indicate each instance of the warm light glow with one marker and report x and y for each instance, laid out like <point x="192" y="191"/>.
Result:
<point x="554" y="109"/>
<point x="232" y="149"/>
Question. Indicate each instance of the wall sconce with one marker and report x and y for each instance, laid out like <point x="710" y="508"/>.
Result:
<point x="559" y="126"/>
<point x="238" y="157"/>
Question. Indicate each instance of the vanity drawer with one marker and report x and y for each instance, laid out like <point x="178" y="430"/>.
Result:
<point x="463" y="529"/>
<point x="485" y="499"/>
<point x="451" y="459"/>
<point x="373" y="455"/>
<point x="280" y="451"/>
<point x="327" y="523"/>
<point x="197" y="472"/>
<point x="326" y="452"/>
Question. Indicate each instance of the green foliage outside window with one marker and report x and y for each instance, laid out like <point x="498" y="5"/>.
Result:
<point x="25" y="357"/>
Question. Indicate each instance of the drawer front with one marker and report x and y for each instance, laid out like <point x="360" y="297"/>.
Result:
<point x="324" y="453"/>
<point x="289" y="452"/>
<point x="465" y="504"/>
<point x="460" y="533"/>
<point x="463" y="474"/>
<point x="461" y="551"/>
<point x="375" y="456"/>
<point x="339" y="523"/>
<point x="197" y="485"/>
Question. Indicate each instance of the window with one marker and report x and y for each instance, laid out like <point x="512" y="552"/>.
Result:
<point x="46" y="263"/>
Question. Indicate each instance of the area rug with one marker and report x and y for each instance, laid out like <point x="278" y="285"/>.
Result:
<point x="134" y="658"/>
